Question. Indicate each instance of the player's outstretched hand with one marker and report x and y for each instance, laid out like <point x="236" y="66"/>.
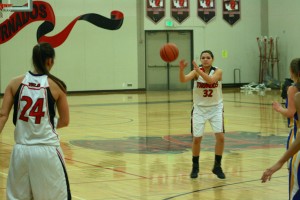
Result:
<point x="269" y="172"/>
<point x="182" y="64"/>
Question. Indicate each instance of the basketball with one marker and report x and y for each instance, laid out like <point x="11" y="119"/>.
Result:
<point x="169" y="52"/>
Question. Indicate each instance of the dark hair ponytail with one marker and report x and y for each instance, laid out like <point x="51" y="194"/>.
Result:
<point x="40" y="53"/>
<point x="295" y="69"/>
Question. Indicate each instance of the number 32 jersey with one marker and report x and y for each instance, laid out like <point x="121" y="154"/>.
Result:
<point x="205" y="94"/>
<point x="34" y="112"/>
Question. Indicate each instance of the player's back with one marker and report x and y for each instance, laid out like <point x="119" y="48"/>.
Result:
<point x="34" y="112"/>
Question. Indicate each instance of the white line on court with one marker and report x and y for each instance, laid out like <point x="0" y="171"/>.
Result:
<point x="75" y="197"/>
<point x="4" y="174"/>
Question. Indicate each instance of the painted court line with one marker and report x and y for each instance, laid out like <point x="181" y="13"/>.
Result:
<point x="4" y="174"/>
<point x="75" y="197"/>
<point x="187" y="193"/>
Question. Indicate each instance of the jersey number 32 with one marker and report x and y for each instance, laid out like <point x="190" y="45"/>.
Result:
<point x="207" y="93"/>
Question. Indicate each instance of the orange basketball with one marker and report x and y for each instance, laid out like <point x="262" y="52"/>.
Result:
<point x="169" y="52"/>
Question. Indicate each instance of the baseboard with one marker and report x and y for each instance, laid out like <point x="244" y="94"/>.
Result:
<point x="233" y="85"/>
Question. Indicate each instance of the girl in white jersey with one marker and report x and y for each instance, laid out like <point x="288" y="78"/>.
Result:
<point x="37" y="168"/>
<point x="207" y="106"/>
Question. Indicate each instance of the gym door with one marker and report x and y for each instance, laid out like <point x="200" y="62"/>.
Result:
<point x="159" y="74"/>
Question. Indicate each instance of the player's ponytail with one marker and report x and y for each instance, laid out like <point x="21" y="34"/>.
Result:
<point x="40" y="53"/>
<point x="295" y="70"/>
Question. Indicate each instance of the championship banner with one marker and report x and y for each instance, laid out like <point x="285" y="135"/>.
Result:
<point x="155" y="10"/>
<point x="180" y="10"/>
<point x="206" y="9"/>
<point x="231" y="11"/>
<point x="42" y="11"/>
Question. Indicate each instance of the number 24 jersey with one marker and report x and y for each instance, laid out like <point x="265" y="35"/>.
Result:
<point x="34" y="112"/>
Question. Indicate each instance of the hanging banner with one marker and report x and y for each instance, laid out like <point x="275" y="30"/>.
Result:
<point x="155" y="10"/>
<point x="206" y="9"/>
<point x="231" y="11"/>
<point x="180" y="10"/>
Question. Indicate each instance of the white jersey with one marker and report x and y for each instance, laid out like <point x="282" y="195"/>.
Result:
<point x="205" y="94"/>
<point x="34" y="112"/>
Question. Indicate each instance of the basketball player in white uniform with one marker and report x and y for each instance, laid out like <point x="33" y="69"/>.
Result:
<point x="207" y="106"/>
<point x="37" y="167"/>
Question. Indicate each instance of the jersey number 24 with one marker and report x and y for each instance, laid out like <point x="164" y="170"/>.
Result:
<point x="34" y="111"/>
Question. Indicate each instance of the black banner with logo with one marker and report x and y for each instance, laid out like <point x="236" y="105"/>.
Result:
<point x="206" y="9"/>
<point x="155" y="10"/>
<point x="180" y="10"/>
<point x="231" y="11"/>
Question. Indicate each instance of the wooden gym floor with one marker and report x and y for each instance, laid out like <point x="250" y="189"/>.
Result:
<point x="137" y="145"/>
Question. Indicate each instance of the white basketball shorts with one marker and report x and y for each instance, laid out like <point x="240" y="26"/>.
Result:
<point x="202" y="114"/>
<point x="37" y="172"/>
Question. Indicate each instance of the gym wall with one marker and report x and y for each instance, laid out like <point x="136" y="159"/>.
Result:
<point x="94" y="59"/>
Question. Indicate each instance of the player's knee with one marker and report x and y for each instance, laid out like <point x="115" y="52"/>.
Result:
<point x="220" y="137"/>
<point x="197" y="140"/>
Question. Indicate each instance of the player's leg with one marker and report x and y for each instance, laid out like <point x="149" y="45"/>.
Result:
<point x="48" y="176"/>
<point x="290" y="140"/>
<point x="219" y="148"/>
<point x="197" y="132"/>
<point x="18" y="185"/>
<point x="217" y="124"/>
<point x="196" y="156"/>
<point x="294" y="182"/>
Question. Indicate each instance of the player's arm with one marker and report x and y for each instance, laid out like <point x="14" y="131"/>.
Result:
<point x="293" y="149"/>
<point x="291" y="109"/>
<point x="63" y="110"/>
<point x="182" y="77"/>
<point x="217" y="76"/>
<point x="7" y="103"/>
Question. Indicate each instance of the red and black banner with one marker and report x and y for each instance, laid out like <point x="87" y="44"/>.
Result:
<point x="42" y="11"/>
<point x="180" y="10"/>
<point x="231" y="11"/>
<point x="155" y="10"/>
<point x="206" y="9"/>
